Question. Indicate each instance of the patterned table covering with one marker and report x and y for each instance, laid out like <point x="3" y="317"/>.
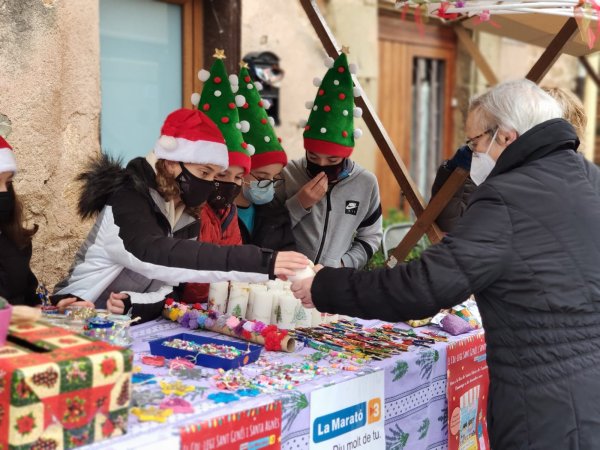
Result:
<point x="416" y="412"/>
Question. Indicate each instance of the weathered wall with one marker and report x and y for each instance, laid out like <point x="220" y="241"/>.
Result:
<point x="285" y="30"/>
<point x="49" y="84"/>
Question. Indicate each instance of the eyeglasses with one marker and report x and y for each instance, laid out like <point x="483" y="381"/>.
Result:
<point x="264" y="182"/>
<point x="471" y="143"/>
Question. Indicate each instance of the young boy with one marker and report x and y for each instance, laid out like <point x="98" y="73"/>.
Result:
<point x="333" y="203"/>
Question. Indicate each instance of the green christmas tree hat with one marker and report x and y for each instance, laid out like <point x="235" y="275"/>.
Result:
<point x="261" y="136"/>
<point x="219" y="102"/>
<point x="330" y="127"/>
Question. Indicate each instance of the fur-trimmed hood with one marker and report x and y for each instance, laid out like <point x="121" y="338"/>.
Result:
<point x="104" y="175"/>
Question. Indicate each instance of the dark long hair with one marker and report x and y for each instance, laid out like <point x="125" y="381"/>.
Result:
<point x="14" y="229"/>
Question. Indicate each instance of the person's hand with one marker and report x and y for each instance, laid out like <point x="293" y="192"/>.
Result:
<point x="462" y="158"/>
<point x="65" y="302"/>
<point x="115" y="303"/>
<point x="287" y="263"/>
<point x="313" y="191"/>
<point x="301" y="290"/>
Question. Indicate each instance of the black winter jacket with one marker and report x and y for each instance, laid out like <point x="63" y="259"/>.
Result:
<point x="17" y="282"/>
<point x="133" y="249"/>
<point x="528" y="246"/>
<point x="272" y="228"/>
<point x="457" y="204"/>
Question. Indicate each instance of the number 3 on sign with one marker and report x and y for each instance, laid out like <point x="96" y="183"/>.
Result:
<point x="374" y="410"/>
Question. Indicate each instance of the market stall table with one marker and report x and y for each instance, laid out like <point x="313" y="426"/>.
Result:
<point x="416" y="413"/>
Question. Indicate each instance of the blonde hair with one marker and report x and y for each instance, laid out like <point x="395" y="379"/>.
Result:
<point x="573" y="110"/>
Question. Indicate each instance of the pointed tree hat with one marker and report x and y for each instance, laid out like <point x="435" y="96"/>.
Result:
<point x="261" y="137"/>
<point x="330" y="126"/>
<point x="219" y="102"/>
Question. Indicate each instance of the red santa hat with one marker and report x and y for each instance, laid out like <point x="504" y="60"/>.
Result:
<point x="8" y="163"/>
<point x="189" y="136"/>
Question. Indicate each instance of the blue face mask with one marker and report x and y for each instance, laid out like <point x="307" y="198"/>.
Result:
<point x="259" y="195"/>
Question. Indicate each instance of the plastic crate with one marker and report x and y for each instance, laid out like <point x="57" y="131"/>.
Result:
<point x="214" y="362"/>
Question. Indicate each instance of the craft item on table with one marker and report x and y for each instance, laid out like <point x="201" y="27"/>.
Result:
<point x="275" y="307"/>
<point x="262" y="306"/>
<point x="143" y="378"/>
<point x="23" y="314"/>
<point x="48" y="310"/>
<point x="238" y="300"/>
<point x="79" y="312"/>
<point x="144" y="397"/>
<point x="222" y="351"/>
<point x="107" y="330"/>
<point x="302" y="316"/>
<point x="176" y="388"/>
<point x="287" y="308"/>
<point x="419" y="323"/>
<point x="223" y="397"/>
<point x="152" y="414"/>
<point x="181" y="363"/>
<point x="455" y="325"/>
<point x="256" y="294"/>
<point x="151" y="360"/>
<point x="218" y="293"/>
<point x="248" y="392"/>
<point x="252" y="331"/>
<point x="177" y="404"/>
<point x="42" y="293"/>
<point x="205" y="351"/>
<point x="56" y="373"/>
<point x="188" y="373"/>
<point x="468" y="311"/>
<point x="276" y="285"/>
<point x="302" y="274"/>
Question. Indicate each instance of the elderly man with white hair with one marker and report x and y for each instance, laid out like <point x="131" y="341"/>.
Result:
<point x="528" y="247"/>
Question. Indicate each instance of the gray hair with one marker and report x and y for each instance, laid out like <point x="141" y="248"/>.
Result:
<point x="515" y="105"/>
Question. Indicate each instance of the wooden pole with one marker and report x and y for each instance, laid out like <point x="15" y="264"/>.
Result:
<point x="590" y="70"/>
<point x="478" y="58"/>
<point x="553" y="51"/>
<point x="381" y="137"/>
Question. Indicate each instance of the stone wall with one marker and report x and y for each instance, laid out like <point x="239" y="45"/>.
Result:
<point x="50" y="93"/>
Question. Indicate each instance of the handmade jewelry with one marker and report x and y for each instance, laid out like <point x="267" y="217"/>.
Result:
<point x="152" y="414"/>
<point x="222" y="351"/>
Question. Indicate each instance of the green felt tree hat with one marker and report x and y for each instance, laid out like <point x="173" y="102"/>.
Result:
<point x="219" y="102"/>
<point x="330" y="126"/>
<point x="261" y="136"/>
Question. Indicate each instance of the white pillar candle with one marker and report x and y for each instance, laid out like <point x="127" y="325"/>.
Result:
<point x="301" y="274"/>
<point x="256" y="291"/>
<point x="238" y="301"/>
<point x="330" y="318"/>
<point x="287" y="308"/>
<point x="217" y="296"/>
<point x="316" y="318"/>
<point x="262" y="306"/>
<point x="275" y="285"/>
<point x="275" y="309"/>
<point x="303" y="317"/>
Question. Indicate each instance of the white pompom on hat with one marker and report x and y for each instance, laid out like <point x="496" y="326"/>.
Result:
<point x="8" y="163"/>
<point x="189" y="136"/>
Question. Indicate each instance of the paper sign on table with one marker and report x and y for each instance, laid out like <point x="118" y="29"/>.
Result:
<point x="349" y="415"/>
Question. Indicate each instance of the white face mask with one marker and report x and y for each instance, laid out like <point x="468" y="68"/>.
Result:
<point x="482" y="164"/>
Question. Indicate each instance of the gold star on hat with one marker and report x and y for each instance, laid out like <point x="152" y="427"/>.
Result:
<point x="243" y="65"/>
<point x="346" y="49"/>
<point x="219" y="53"/>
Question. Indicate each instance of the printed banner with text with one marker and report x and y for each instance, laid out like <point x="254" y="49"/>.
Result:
<point x="253" y="429"/>
<point x="349" y="415"/>
<point x="467" y="394"/>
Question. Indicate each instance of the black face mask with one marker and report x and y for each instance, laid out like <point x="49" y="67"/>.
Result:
<point x="194" y="190"/>
<point x="7" y="206"/>
<point x="332" y="172"/>
<point x="224" y="195"/>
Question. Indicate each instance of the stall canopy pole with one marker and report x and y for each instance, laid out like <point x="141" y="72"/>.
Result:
<point x="381" y="137"/>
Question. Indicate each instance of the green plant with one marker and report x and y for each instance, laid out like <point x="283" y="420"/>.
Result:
<point x="3" y="303"/>
<point x="395" y="216"/>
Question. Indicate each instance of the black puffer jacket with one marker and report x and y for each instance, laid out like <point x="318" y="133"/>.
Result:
<point x="457" y="204"/>
<point x="528" y="246"/>
<point x="17" y="282"/>
<point x="272" y="228"/>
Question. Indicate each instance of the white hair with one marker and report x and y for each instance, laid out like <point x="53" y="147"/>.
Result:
<point x="517" y="105"/>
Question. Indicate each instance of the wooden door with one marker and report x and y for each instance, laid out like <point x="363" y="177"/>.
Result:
<point x="408" y="58"/>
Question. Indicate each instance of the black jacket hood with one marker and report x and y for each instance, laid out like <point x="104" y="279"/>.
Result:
<point x="105" y="175"/>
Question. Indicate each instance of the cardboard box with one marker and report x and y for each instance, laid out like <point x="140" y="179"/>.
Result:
<point x="61" y="390"/>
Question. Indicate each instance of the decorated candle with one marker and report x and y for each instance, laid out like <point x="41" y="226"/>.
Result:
<point x="287" y="308"/>
<point x="256" y="293"/>
<point x="301" y="274"/>
<point x="303" y="317"/>
<point x="316" y="318"/>
<point x="275" y="308"/>
<point x="238" y="300"/>
<point x="217" y="296"/>
<point x="262" y="306"/>
<point x="275" y="285"/>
